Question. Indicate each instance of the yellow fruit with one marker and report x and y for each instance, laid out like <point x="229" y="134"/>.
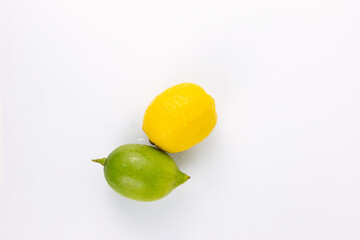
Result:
<point x="180" y="117"/>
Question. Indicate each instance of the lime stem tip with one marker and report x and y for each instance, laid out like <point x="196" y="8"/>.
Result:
<point x="100" y="160"/>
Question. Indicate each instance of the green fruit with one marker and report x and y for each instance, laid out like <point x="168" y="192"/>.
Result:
<point x="141" y="172"/>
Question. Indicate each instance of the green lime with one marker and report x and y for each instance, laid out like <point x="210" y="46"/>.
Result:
<point x="141" y="172"/>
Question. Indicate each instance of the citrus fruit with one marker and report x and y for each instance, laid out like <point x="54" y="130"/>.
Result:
<point x="180" y="117"/>
<point x="141" y="172"/>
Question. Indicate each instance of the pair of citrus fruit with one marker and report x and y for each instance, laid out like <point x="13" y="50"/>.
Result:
<point x="177" y="119"/>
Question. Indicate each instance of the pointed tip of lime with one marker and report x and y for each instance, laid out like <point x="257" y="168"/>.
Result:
<point x="182" y="178"/>
<point x="102" y="161"/>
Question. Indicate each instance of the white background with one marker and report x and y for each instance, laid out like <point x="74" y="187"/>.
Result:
<point x="283" y="162"/>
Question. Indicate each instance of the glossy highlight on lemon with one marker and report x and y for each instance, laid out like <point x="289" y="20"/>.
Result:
<point x="180" y="117"/>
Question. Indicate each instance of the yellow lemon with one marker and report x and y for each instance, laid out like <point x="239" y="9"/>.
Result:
<point x="180" y="117"/>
